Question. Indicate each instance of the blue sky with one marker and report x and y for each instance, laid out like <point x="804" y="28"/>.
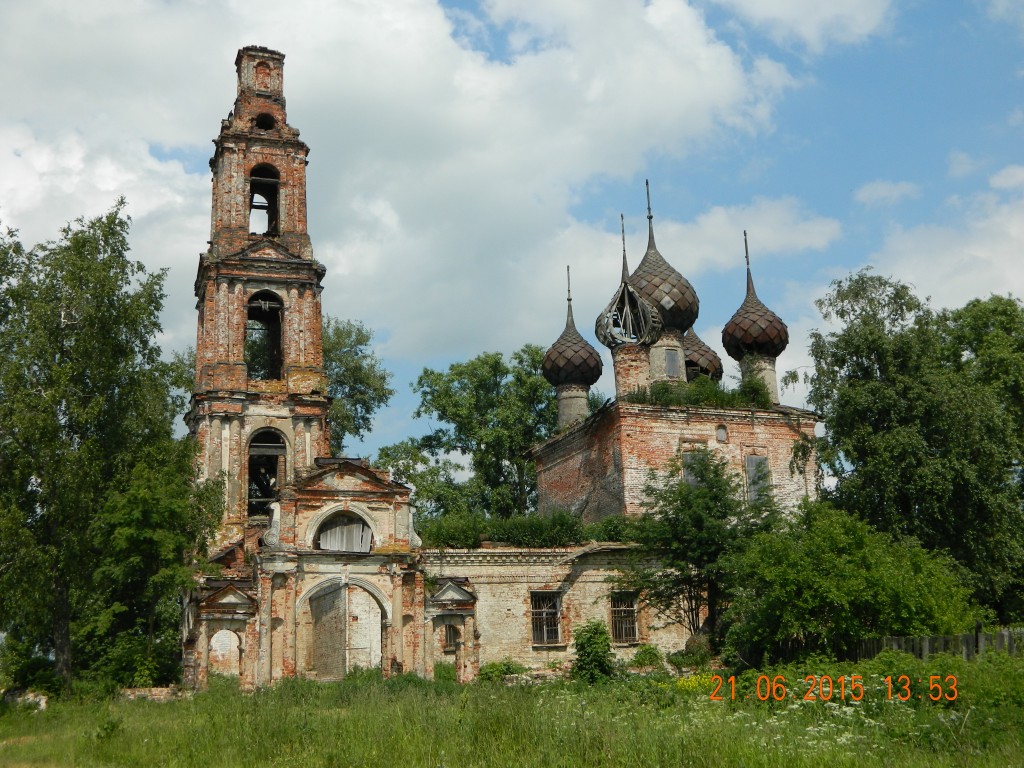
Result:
<point x="463" y="153"/>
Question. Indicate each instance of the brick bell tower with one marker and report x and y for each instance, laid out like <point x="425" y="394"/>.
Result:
<point x="259" y="403"/>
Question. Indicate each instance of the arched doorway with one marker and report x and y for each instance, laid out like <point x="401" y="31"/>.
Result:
<point x="225" y="653"/>
<point x="341" y="628"/>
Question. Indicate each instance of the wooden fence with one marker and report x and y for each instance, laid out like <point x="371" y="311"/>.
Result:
<point x="967" y="645"/>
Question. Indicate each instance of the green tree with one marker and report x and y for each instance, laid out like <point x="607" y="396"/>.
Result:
<point x="696" y="514"/>
<point x="826" y="580"/>
<point x="147" y="536"/>
<point x="434" y="479"/>
<point x="356" y="380"/>
<point x="84" y="399"/>
<point x="492" y="410"/>
<point x="922" y="417"/>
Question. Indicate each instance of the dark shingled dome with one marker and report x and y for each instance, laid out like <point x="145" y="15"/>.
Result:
<point x="700" y="355"/>
<point x="571" y="360"/>
<point x="754" y="329"/>
<point x="658" y="282"/>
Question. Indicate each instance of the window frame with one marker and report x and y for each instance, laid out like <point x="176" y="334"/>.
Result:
<point x="349" y="522"/>
<point x="756" y="485"/>
<point x="451" y="640"/>
<point x="273" y="455"/>
<point x="546" y="620"/>
<point x="625" y="616"/>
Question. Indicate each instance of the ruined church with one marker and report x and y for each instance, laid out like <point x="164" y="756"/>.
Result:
<point x="318" y="568"/>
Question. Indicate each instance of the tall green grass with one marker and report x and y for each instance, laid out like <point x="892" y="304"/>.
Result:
<point x="641" y="721"/>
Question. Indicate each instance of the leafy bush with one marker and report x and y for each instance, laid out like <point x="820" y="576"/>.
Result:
<point x="466" y="530"/>
<point x="496" y="671"/>
<point x="646" y="656"/>
<point x="445" y="673"/>
<point x="560" y="529"/>
<point x="594" y="660"/>
<point x="828" y="580"/>
<point x="24" y="668"/>
<point x="459" y="530"/>
<point x="612" y="528"/>
<point x="697" y="652"/>
<point x="702" y="391"/>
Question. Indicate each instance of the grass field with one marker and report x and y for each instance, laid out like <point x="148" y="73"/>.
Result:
<point x="642" y="721"/>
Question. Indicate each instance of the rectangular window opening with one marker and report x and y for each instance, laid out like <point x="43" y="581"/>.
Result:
<point x="624" y="611"/>
<point x="546" y="617"/>
<point x="758" y="479"/>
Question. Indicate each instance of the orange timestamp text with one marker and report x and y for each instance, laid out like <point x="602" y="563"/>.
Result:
<point x="827" y="688"/>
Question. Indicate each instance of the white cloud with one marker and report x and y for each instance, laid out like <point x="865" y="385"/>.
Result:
<point x="775" y="226"/>
<point x="1007" y="10"/>
<point x="813" y="23"/>
<point x="885" y="192"/>
<point x="1010" y="177"/>
<point x="439" y="174"/>
<point x="961" y="164"/>
<point x="972" y="257"/>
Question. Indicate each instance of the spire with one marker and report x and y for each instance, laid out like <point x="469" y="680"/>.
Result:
<point x="568" y="292"/>
<point x="625" y="267"/>
<point x="650" y="218"/>
<point x="746" y="255"/>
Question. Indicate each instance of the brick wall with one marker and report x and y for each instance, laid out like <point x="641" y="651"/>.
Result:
<point x="600" y="467"/>
<point x="503" y="579"/>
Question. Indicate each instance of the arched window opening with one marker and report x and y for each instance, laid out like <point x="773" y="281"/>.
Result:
<point x="262" y="76"/>
<point x="264" y="186"/>
<point x="266" y="470"/>
<point x="345" y="533"/>
<point x="265" y="121"/>
<point x="263" y="337"/>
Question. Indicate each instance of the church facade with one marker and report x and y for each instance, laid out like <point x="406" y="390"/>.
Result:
<point x="317" y="568"/>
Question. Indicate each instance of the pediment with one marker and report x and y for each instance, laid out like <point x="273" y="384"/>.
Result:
<point x="267" y="248"/>
<point x="450" y="592"/>
<point x="350" y="476"/>
<point x="228" y="597"/>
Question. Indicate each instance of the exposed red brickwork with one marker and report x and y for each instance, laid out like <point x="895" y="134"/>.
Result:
<point x="600" y="467"/>
<point x="632" y="368"/>
<point x="272" y="564"/>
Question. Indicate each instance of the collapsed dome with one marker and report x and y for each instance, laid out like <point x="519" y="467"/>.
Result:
<point x="628" y="319"/>
<point x="571" y="359"/>
<point x="701" y="360"/>
<point x="754" y="329"/>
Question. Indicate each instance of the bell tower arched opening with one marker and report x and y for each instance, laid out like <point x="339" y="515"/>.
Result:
<point x="263" y="355"/>
<point x="264" y="203"/>
<point x="266" y="470"/>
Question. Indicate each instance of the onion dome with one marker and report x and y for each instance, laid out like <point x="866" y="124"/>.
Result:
<point x="658" y="282"/>
<point x="754" y="329"/>
<point x="701" y="357"/>
<point x="628" y="318"/>
<point x="571" y="359"/>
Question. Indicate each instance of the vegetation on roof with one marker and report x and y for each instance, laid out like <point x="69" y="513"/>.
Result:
<point x="702" y="391"/>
